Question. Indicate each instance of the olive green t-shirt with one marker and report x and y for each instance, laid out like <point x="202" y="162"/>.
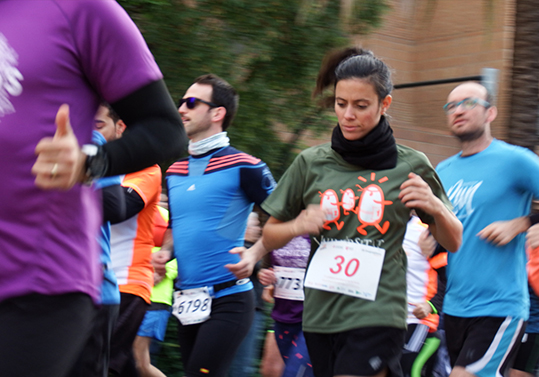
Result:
<point x="319" y="173"/>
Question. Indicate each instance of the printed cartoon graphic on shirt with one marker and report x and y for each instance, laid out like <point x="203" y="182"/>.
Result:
<point x="349" y="201"/>
<point x="10" y="76"/>
<point x="461" y="195"/>
<point x="331" y="206"/>
<point x="369" y="211"/>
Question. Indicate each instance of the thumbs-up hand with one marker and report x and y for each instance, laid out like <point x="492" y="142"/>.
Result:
<point x="60" y="160"/>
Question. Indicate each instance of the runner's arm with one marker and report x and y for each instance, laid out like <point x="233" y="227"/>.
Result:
<point x="277" y="233"/>
<point x="446" y="228"/>
<point x="161" y="257"/>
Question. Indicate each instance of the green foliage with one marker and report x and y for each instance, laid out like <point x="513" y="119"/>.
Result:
<point x="167" y="358"/>
<point x="269" y="50"/>
<point x="366" y="15"/>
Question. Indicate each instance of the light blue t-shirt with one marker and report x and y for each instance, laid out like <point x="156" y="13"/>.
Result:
<point x="495" y="184"/>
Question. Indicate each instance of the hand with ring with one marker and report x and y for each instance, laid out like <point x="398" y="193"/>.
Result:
<point x="60" y="161"/>
<point x="54" y="170"/>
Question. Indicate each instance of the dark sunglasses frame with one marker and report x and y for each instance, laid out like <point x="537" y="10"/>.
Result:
<point x="192" y="102"/>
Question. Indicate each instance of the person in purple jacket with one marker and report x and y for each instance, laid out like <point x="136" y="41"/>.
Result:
<point x="286" y="275"/>
<point x="58" y="60"/>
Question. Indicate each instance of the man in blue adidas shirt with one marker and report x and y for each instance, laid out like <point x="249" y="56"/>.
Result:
<point x="211" y="194"/>
<point x="491" y="185"/>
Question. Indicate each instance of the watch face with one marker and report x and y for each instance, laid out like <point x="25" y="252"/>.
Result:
<point x="90" y="149"/>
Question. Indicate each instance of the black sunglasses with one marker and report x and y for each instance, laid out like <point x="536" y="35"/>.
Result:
<point x="192" y="102"/>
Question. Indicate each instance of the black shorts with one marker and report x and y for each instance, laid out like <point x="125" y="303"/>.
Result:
<point x="132" y="311"/>
<point x="527" y="359"/>
<point x="484" y="346"/>
<point x="94" y="358"/>
<point x="43" y="335"/>
<point x="337" y="354"/>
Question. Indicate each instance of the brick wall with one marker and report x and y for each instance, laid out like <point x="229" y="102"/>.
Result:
<point x="425" y="40"/>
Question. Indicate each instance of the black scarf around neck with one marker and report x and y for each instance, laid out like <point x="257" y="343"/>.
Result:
<point x="377" y="150"/>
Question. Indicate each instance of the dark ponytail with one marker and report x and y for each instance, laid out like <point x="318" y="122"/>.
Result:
<point x="352" y="62"/>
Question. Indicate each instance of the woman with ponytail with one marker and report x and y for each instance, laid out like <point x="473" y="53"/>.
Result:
<point x="354" y="196"/>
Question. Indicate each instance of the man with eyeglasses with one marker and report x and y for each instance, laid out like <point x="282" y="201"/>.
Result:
<point x="490" y="184"/>
<point x="211" y="194"/>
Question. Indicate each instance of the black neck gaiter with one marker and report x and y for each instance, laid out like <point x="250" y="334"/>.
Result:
<point x="376" y="151"/>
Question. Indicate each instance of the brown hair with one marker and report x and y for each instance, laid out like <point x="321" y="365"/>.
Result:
<point x="223" y="94"/>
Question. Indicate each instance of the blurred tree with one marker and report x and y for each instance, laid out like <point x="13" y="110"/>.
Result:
<point x="524" y="121"/>
<point x="269" y="50"/>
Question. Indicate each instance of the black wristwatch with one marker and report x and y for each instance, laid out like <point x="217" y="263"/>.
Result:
<point x="96" y="162"/>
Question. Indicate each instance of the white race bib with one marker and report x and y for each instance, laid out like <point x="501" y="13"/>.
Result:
<point x="192" y="306"/>
<point x="347" y="268"/>
<point x="289" y="283"/>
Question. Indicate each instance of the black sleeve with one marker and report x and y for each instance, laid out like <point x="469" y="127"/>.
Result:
<point x="113" y="204"/>
<point x="534" y="219"/>
<point x="156" y="133"/>
<point x="133" y="202"/>
<point x="438" y="299"/>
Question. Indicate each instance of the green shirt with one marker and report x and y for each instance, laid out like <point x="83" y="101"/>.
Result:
<point x="163" y="291"/>
<point x="319" y="172"/>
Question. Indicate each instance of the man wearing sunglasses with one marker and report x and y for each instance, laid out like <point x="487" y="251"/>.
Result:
<point x="490" y="184"/>
<point x="211" y="194"/>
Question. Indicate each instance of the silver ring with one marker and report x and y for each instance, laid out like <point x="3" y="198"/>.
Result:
<point x="54" y="170"/>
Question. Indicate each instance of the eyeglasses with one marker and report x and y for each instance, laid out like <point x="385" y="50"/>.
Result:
<point x="467" y="104"/>
<point x="192" y="102"/>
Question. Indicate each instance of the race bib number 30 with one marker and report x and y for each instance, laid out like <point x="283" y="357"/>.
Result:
<point x="192" y="306"/>
<point x="347" y="268"/>
<point x="289" y="283"/>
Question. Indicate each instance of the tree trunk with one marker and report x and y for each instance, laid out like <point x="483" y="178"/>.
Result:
<point x="524" y="125"/>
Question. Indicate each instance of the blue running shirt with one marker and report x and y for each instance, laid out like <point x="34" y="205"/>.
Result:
<point x="495" y="184"/>
<point x="210" y="198"/>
